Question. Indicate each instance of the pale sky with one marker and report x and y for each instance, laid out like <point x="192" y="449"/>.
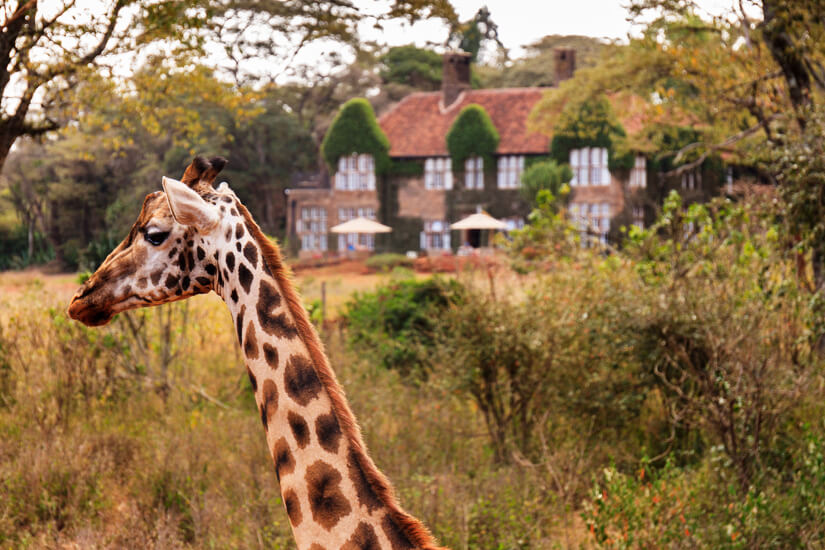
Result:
<point x="521" y="22"/>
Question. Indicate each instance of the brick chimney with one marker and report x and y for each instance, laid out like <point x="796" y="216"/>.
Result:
<point x="565" y="64"/>
<point x="455" y="77"/>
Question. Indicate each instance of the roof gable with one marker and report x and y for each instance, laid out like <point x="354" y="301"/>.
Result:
<point x="417" y="126"/>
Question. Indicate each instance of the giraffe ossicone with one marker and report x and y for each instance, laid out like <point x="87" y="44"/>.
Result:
<point x="191" y="239"/>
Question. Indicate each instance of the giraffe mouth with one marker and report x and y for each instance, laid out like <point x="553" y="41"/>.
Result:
<point x="88" y="314"/>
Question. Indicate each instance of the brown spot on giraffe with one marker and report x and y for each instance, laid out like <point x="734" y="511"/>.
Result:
<point x="328" y="432"/>
<point x="269" y="401"/>
<point x="300" y="380"/>
<point x="300" y="429"/>
<point x="293" y="507"/>
<point x="270" y="354"/>
<point x="363" y="489"/>
<point x="364" y="538"/>
<point x="398" y="540"/>
<point x="245" y="277"/>
<point x="282" y="456"/>
<point x="250" y="345"/>
<point x="239" y="323"/>
<point x="250" y="252"/>
<point x="326" y="501"/>
<point x="252" y="380"/>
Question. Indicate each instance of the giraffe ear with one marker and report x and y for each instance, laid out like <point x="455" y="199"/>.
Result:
<point x="188" y="208"/>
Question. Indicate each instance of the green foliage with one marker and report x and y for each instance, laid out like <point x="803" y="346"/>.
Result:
<point x="355" y="130"/>
<point x="546" y="175"/>
<point x="590" y="124"/>
<point x="394" y="325"/>
<point x="537" y="66"/>
<point x="547" y="237"/>
<point x="412" y="66"/>
<point x="14" y="249"/>
<point x="472" y="134"/>
<point x="406" y="168"/>
<point x="388" y="262"/>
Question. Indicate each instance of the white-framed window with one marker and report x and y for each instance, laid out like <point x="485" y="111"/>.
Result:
<point x="589" y="165"/>
<point x="692" y="179"/>
<point x="638" y="174"/>
<point x="436" y="235"/>
<point x="474" y="173"/>
<point x="639" y="217"/>
<point x="592" y="220"/>
<point x="509" y="171"/>
<point x="355" y="172"/>
<point x="355" y="241"/>
<point x="312" y="228"/>
<point x="438" y="173"/>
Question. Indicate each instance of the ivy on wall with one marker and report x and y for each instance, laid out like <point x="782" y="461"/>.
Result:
<point x="472" y="134"/>
<point x="591" y="124"/>
<point x="355" y="130"/>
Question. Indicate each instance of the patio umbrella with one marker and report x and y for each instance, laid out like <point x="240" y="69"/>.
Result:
<point x="479" y="220"/>
<point x="361" y="225"/>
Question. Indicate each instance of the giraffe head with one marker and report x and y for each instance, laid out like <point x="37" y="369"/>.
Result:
<point x="169" y="253"/>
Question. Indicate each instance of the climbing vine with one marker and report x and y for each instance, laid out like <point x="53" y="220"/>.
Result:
<point x="591" y="123"/>
<point x="355" y="130"/>
<point x="472" y="134"/>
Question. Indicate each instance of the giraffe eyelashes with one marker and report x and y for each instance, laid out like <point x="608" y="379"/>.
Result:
<point x="156" y="238"/>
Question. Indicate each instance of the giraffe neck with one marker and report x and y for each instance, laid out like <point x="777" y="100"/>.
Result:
<point x="333" y="494"/>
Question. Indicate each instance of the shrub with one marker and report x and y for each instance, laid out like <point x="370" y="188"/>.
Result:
<point x="472" y="134"/>
<point x="394" y="325"/>
<point x="547" y="175"/>
<point x="388" y="262"/>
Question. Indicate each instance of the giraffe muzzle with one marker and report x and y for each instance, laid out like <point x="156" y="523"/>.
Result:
<point x="89" y="315"/>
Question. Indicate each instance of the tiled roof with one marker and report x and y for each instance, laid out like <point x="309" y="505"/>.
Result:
<point x="418" y="125"/>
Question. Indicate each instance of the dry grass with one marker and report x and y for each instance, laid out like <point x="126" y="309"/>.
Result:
<point x="95" y="452"/>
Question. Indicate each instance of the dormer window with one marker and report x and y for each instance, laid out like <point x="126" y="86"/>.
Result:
<point x="589" y="165"/>
<point x="509" y="171"/>
<point x="438" y="173"/>
<point x="474" y="173"/>
<point x="355" y="173"/>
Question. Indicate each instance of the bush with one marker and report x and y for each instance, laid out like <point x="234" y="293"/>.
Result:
<point x="547" y="175"/>
<point x="388" y="262"/>
<point x="394" y="325"/>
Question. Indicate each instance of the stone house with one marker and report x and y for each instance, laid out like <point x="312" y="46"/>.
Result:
<point x="423" y="194"/>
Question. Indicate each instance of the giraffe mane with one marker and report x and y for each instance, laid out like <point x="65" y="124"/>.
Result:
<point x="412" y="528"/>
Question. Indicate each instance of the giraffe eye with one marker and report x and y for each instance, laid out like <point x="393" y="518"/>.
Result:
<point x="156" y="237"/>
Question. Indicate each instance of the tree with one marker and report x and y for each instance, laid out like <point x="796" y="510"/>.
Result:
<point x="537" y="66"/>
<point x="264" y="153"/>
<point x="41" y="54"/>
<point x="546" y="175"/>
<point x="411" y="66"/>
<point x="471" y="35"/>
<point x="46" y="50"/>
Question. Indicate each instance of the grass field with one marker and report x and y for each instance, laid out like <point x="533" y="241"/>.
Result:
<point x="119" y="438"/>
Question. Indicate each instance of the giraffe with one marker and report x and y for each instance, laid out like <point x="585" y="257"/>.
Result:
<point x="190" y="239"/>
